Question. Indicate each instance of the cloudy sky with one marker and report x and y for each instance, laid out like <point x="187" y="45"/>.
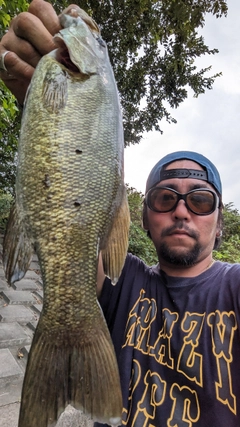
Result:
<point x="209" y="124"/>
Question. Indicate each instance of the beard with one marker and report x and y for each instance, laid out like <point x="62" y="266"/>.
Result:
<point x="185" y="257"/>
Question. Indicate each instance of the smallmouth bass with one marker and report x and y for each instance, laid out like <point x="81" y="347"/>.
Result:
<point x="70" y="204"/>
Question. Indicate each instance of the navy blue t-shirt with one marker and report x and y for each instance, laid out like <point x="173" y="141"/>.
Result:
<point x="178" y="346"/>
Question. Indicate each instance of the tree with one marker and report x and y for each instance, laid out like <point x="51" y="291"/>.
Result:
<point x="153" y="46"/>
<point x="229" y="250"/>
<point x="9" y="129"/>
<point x="139" y="243"/>
<point x="9" y="112"/>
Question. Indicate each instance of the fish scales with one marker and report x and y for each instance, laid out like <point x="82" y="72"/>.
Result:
<point x="69" y="195"/>
<point x="85" y="179"/>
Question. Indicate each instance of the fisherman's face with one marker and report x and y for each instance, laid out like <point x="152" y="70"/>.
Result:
<point x="180" y="236"/>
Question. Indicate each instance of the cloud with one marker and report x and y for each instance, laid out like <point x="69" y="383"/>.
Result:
<point x="209" y="124"/>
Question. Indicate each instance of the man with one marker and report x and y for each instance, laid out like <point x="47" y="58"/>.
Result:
<point x="175" y="325"/>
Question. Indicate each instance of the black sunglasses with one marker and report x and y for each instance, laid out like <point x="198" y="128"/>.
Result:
<point x="200" y="201"/>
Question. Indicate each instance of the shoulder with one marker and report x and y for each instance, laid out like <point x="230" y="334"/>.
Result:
<point x="226" y="277"/>
<point x="135" y="266"/>
<point x="226" y="268"/>
<point x="134" y="269"/>
<point x="135" y="275"/>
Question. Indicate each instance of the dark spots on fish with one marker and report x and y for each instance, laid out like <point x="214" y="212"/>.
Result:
<point x="46" y="181"/>
<point x="78" y="151"/>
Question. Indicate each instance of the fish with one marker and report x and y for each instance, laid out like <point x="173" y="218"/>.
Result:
<point x="71" y="205"/>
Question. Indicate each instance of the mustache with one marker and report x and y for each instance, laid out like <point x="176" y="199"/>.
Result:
<point x="179" y="226"/>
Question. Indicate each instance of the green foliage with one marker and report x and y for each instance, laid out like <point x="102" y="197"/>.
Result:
<point x="152" y="45"/>
<point x="139" y="243"/>
<point x="9" y="112"/>
<point x="9" y="130"/>
<point x="8" y="9"/>
<point x="6" y="200"/>
<point x="229" y="250"/>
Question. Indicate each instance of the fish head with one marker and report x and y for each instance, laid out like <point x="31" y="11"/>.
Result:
<point x="80" y="46"/>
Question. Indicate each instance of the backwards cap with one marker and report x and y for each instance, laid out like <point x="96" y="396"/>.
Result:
<point x="212" y="175"/>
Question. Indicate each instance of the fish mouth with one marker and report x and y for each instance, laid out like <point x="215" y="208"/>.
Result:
<point x="63" y="57"/>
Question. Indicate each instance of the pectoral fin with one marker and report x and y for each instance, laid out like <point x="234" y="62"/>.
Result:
<point x="115" y="252"/>
<point x="17" y="249"/>
<point x="54" y="94"/>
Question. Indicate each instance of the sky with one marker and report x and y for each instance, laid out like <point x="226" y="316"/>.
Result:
<point x="209" y="124"/>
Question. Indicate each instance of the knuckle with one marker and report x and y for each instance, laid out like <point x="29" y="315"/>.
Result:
<point x="22" y="22"/>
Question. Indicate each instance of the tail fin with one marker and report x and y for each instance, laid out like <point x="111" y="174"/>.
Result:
<point x="71" y="367"/>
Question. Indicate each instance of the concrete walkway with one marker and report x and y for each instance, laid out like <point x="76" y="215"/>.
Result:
<point x="20" y="307"/>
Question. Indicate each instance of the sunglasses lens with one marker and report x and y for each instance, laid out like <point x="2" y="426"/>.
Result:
<point x="161" y="199"/>
<point x="201" y="202"/>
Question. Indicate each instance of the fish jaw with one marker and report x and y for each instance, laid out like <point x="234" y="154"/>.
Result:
<point x="86" y="49"/>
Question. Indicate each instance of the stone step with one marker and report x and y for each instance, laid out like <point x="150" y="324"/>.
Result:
<point x="12" y="334"/>
<point x="2" y="274"/>
<point x="30" y="274"/>
<point x="18" y="297"/>
<point x="9" y="368"/>
<point x="9" y="415"/>
<point x="22" y="355"/>
<point x="8" y="365"/>
<point x="39" y="295"/>
<point x="25" y="285"/>
<point x="11" y="378"/>
<point x="32" y="325"/>
<point x="3" y="285"/>
<point x="37" y="308"/>
<point x="16" y="313"/>
<point x="34" y="265"/>
<point x="26" y="350"/>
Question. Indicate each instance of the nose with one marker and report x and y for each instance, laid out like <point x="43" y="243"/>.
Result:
<point x="181" y="211"/>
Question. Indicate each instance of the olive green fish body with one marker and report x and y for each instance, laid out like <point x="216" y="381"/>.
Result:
<point x="70" y="177"/>
<point x="70" y="191"/>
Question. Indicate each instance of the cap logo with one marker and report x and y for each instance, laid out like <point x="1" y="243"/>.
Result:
<point x="183" y="173"/>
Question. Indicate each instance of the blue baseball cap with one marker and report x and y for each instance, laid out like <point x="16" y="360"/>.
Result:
<point x="210" y="174"/>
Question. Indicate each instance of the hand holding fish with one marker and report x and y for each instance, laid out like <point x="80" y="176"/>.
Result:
<point x="30" y="36"/>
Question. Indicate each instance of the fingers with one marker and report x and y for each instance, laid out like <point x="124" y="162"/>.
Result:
<point x="21" y="47"/>
<point x="31" y="31"/>
<point x="18" y="75"/>
<point x="16" y="67"/>
<point x="29" y="37"/>
<point x="46" y="14"/>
